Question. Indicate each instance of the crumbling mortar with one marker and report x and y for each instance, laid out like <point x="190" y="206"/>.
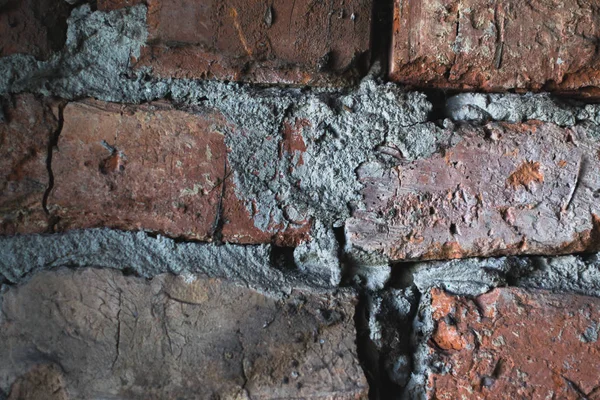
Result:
<point x="571" y="274"/>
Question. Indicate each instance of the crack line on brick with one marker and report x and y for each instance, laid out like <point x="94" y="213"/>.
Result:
<point x="580" y="170"/>
<point x="118" y="332"/>
<point x="52" y="144"/>
<point x="217" y="228"/>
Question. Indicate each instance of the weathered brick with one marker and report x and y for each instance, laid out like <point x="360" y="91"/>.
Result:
<point x="526" y="188"/>
<point x="152" y="167"/>
<point x="487" y="45"/>
<point x="513" y="343"/>
<point x="297" y="42"/>
<point x="36" y="27"/>
<point x="93" y="333"/>
<point x="138" y="167"/>
<point x="24" y="136"/>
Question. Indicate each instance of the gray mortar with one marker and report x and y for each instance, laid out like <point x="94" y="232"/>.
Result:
<point x="350" y="129"/>
<point x="481" y="107"/>
<point x="345" y="129"/>
<point x="250" y="266"/>
<point x="346" y="126"/>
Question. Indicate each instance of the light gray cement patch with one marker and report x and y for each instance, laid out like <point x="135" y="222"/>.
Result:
<point x="23" y="255"/>
<point x="510" y="107"/>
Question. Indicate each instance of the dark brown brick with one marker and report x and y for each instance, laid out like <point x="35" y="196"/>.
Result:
<point x="528" y="188"/>
<point x="24" y="136"/>
<point x="101" y="334"/>
<point x="496" y="46"/>
<point x="32" y="27"/>
<point x="295" y="42"/>
<point x="512" y="343"/>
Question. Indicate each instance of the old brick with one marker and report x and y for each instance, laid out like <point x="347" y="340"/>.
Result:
<point x="487" y="45"/>
<point x="24" y="136"/>
<point x="152" y="167"/>
<point x="138" y="167"/>
<point x="296" y="42"/>
<point x="504" y="189"/>
<point x="173" y="337"/>
<point x="512" y="343"/>
<point x="36" y="27"/>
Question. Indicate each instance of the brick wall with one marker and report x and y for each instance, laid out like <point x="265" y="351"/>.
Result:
<point x="299" y="199"/>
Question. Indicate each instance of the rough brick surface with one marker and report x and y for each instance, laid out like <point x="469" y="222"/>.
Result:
<point x="298" y="42"/>
<point x="148" y="167"/>
<point x="24" y="136"/>
<point x="151" y="167"/>
<point x="511" y="343"/>
<point x="487" y="45"/>
<point x="530" y="188"/>
<point x="99" y="334"/>
<point x="36" y="27"/>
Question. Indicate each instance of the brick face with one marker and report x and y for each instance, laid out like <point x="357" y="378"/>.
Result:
<point x="24" y="136"/>
<point x="112" y="336"/>
<point x="513" y="343"/>
<point x="32" y="27"/>
<point x="527" y="188"/>
<point x="487" y="45"/>
<point x="152" y="167"/>
<point x="148" y="167"/>
<point x="296" y="42"/>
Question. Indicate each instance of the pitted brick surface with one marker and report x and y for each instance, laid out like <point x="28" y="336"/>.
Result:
<point x="497" y="46"/>
<point x="514" y="343"/>
<point x="525" y="188"/>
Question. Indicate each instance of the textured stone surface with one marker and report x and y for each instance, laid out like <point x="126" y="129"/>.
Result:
<point x="36" y="27"/>
<point x="298" y="42"/>
<point x="486" y="45"/>
<point x="513" y="343"/>
<point x="155" y="168"/>
<point x="99" y="334"/>
<point x="25" y="132"/>
<point x="526" y="188"/>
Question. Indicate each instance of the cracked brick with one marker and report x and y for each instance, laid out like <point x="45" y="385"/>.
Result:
<point x="152" y="167"/>
<point x="176" y="337"/>
<point x="492" y="46"/>
<point x="28" y="125"/>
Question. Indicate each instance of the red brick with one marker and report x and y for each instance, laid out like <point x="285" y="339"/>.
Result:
<point x="492" y="46"/>
<point x="152" y="167"/>
<point x="512" y="343"/>
<point x="138" y="167"/>
<point x="36" y="27"/>
<point x="24" y="136"/>
<point x="503" y="189"/>
<point x="296" y="42"/>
